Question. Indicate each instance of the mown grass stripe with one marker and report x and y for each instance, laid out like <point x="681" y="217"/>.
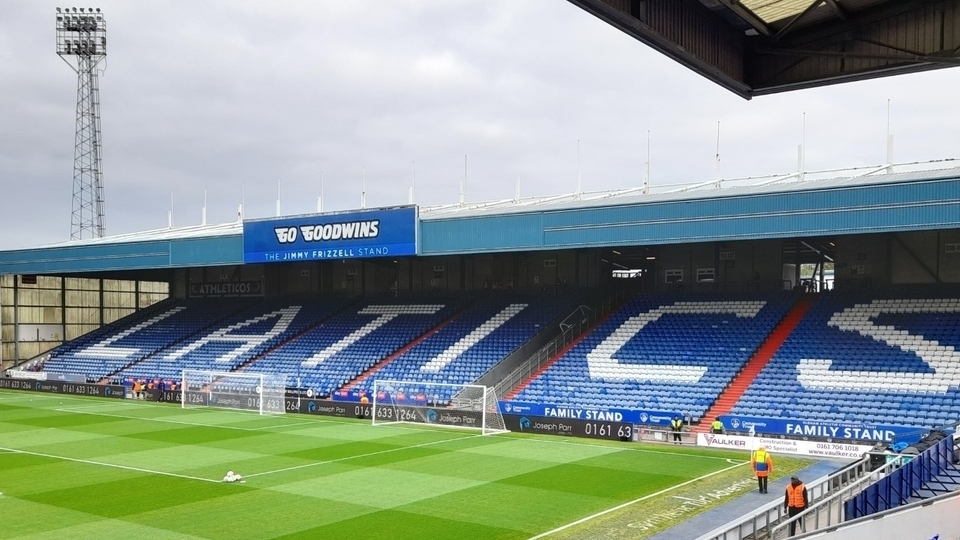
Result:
<point x="102" y="464"/>
<point x="635" y="501"/>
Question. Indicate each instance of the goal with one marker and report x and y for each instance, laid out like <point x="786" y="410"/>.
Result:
<point x="259" y="392"/>
<point x="466" y="406"/>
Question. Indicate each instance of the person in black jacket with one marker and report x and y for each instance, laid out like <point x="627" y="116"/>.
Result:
<point x="795" y="501"/>
<point x="676" y="426"/>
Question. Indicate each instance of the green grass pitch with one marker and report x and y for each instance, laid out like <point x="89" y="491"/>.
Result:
<point x="88" y="468"/>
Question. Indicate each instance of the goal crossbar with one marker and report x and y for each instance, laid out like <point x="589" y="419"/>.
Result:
<point x="258" y="392"/>
<point x="448" y="405"/>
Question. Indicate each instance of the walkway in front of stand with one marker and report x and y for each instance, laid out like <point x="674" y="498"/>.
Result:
<point x="745" y="505"/>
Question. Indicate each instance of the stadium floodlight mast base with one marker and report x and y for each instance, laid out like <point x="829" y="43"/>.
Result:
<point x="447" y="405"/>
<point x="259" y="392"/>
<point x="82" y="36"/>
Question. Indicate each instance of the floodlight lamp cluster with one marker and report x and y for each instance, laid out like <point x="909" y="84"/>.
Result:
<point x="81" y="32"/>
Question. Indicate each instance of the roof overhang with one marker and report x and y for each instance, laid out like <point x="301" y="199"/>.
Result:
<point x="757" y="47"/>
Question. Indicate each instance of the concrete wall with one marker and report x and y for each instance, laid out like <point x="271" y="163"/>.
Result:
<point x="921" y="522"/>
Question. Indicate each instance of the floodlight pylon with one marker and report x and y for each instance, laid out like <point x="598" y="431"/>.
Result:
<point x="82" y="44"/>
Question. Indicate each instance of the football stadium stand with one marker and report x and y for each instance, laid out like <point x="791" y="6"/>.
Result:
<point x="328" y="357"/>
<point x="662" y="352"/>
<point x="475" y="341"/>
<point x="237" y="339"/>
<point x="105" y="351"/>
<point x="854" y="357"/>
<point x="866" y="358"/>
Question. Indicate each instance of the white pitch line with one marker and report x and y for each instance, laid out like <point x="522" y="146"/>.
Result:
<point x="113" y="465"/>
<point x="89" y="406"/>
<point x="314" y="464"/>
<point x="635" y="501"/>
<point x="166" y="421"/>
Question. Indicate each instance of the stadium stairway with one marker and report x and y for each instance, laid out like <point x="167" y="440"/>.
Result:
<point x="738" y="386"/>
<point x="546" y="365"/>
<point x="386" y="361"/>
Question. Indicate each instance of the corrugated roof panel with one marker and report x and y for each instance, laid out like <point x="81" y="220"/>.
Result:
<point x="776" y="10"/>
<point x="568" y="202"/>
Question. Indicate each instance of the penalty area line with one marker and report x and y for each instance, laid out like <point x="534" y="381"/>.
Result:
<point x="112" y="465"/>
<point x="635" y="501"/>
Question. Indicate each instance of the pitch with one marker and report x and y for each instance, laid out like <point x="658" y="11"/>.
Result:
<point x="81" y="467"/>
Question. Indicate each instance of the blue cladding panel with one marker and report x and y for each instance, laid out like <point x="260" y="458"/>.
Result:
<point x="85" y="258"/>
<point x="133" y="256"/>
<point x="206" y="251"/>
<point x="507" y="233"/>
<point x="862" y="209"/>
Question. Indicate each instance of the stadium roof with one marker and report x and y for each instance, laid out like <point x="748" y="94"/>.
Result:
<point x="787" y="206"/>
<point x="194" y="231"/>
<point x="687" y="192"/>
<point x="756" y="47"/>
<point x="629" y="196"/>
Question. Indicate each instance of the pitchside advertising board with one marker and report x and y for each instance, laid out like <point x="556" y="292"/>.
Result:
<point x="617" y="431"/>
<point x="823" y="430"/>
<point x="389" y="232"/>
<point x="550" y="410"/>
<point x="58" y="387"/>
<point x="825" y="450"/>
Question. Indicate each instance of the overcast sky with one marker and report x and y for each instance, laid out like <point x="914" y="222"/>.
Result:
<point x="231" y="96"/>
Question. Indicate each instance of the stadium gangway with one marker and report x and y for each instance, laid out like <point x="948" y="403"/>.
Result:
<point x="850" y="529"/>
<point x="829" y="511"/>
<point x="760" y="524"/>
<point x="571" y="327"/>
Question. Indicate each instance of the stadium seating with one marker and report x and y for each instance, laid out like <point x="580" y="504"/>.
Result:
<point x="138" y="336"/>
<point x="478" y="339"/>
<point x="329" y="356"/>
<point x="235" y="340"/>
<point x="661" y="352"/>
<point x="866" y="358"/>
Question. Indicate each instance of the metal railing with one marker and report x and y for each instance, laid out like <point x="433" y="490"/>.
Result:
<point x="570" y="330"/>
<point x="760" y="525"/>
<point x="571" y="327"/>
<point x="829" y="511"/>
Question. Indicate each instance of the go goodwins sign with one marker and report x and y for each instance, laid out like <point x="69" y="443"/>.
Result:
<point x="387" y="232"/>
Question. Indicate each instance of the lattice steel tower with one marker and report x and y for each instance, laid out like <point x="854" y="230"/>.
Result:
<point x="82" y="35"/>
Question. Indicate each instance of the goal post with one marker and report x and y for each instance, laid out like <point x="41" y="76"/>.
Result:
<point x="465" y="406"/>
<point x="260" y="392"/>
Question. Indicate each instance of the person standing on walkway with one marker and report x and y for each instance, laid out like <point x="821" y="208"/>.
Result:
<point x="795" y="501"/>
<point x="676" y="426"/>
<point x="762" y="465"/>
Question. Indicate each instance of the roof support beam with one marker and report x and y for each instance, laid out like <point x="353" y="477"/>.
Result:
<point x="783" y="31"/>
<point x="748" y="16"/>
<point x="837" y="9"/>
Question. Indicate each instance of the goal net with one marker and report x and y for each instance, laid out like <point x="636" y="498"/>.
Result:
<point x="437" y="404"/>
<point x="259" y="392"/>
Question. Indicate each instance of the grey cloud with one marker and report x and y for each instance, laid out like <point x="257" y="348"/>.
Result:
<point x="231" y="96"/>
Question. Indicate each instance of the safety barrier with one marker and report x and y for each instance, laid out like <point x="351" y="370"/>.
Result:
<point x="759" y="525"/>
<point x="903" y="483"/>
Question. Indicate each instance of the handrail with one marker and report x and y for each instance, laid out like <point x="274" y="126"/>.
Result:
<point x="571" y="327"/>
<point x="838" y="497"/>
<point x="756" y="526"/>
